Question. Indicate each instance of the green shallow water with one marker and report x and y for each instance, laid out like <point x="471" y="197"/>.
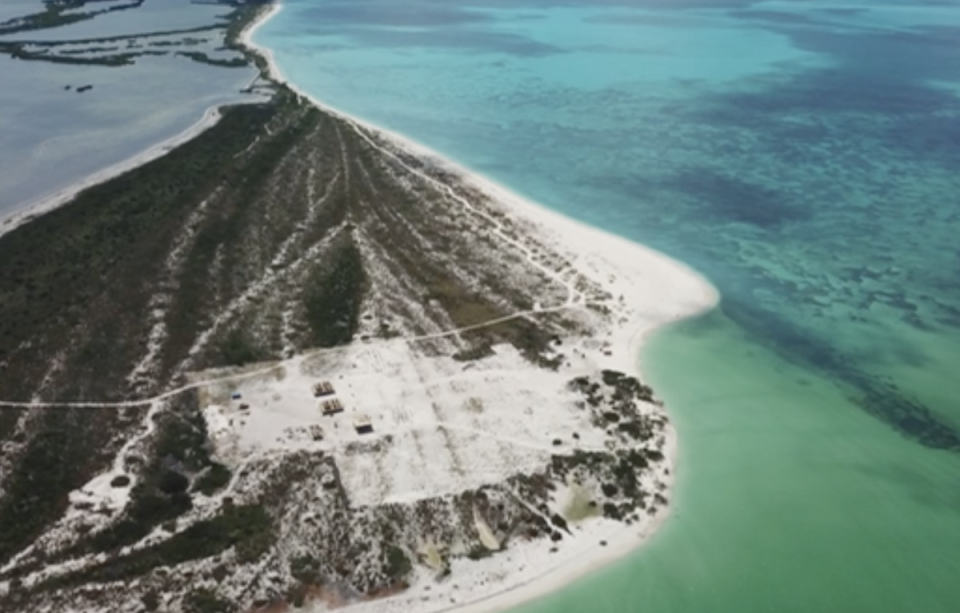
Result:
<point x="788" y="497"/>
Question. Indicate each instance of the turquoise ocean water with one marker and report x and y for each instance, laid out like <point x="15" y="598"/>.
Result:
<point x="805" y="156"/>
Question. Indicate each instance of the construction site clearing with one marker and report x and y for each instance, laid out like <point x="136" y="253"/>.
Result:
<point x="439" y="426"/>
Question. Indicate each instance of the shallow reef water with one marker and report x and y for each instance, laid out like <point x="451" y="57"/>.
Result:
<point x="802" y="155"/>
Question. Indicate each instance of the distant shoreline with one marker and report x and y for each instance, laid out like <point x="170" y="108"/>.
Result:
<point x="623" y="540"/>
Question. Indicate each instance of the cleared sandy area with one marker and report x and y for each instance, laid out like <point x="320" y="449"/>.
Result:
<point x="439" y="426"/>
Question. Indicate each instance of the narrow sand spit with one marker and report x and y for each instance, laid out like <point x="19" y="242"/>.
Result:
<point x="658" y="291"/>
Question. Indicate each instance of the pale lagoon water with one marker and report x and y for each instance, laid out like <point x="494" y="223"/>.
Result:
<point x="151" y="16"/>
<point x="806" y="157"/>
<point x="52" y="137"/>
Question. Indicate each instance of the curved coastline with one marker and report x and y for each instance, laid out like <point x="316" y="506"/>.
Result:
<point x="780" y="411"/>
<point x="692" y="293"/>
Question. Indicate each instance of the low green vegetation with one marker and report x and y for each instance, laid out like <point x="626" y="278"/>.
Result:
<point x="204" y="58"/>
<point x="626" y="387"/>
<point x="619" y="409"/>
<point x="619" y="472"/>
<point x="398" y="565"/>
<point x="238" y="348"/>
<point x="213" y="480"/>
<point x="477" y="351"/>
<point x="479" y="552"/>
<point x="21" y="51"/>
<point x="334" y="296"/>
<point x="9" y="418"/>
<point x="306" y="569"/>
<point x="529" y="337"/>
<point x="624" y="470"/>
<point x="163" y="492"/>
<point x="248" y="529"/>
<point x="205" y="600"/>
<point x="66" y="448"/>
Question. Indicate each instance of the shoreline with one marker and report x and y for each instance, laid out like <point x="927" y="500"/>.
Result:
<point x="51" y="201"/>
<point x="565" y="232"/>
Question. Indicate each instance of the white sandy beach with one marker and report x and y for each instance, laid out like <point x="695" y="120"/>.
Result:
<point x="658" y="291"/>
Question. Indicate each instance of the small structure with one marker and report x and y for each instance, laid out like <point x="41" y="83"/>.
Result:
<point x="324" y="388"/>
<point x="236" y="396"/>
<point x="316" y="432"/>
<point x="363" y="425"/>
<point x="331" y="407"/>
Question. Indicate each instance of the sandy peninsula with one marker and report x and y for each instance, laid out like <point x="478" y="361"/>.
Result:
<point x="655" y="290"/>
<point x="352" y="374"/>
